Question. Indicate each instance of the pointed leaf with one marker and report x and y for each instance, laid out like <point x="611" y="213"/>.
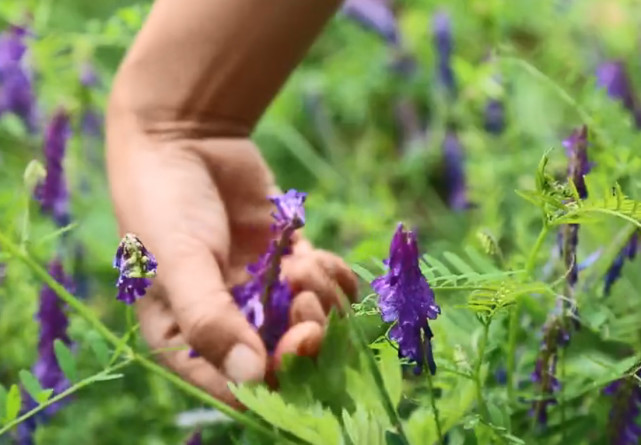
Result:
<point x="65" y="359"/>
<point x="13" y="404"/>
<point x="99" y="348"/>
<point x="459" y="263"/>
<point x="44" y="395"/>
<point x="30" y="383"/>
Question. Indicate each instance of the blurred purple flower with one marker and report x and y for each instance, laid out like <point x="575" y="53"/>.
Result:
<point x="406" y="299"/>
<point x="612" y="76"/>
<point x="555" y="336"/>
<point x="16" y="89"/>
<point x="52" y="192"/>
<point x="88" y="76"/>
<point x="374" y="15"/>
<point x="455" y="171"/>
<point x="265" y="299"/>
<point x="136" y="267"/>
<point x="53" y="326"/>
<point x="629" y="251"/>
<point x="578" y="166"/>
<point x="195" y="439"/>
<point x="623" y="426"/>
<point x="91" y="123"/>
<point x="494" y="117"/>
<point x="443" y="39"/>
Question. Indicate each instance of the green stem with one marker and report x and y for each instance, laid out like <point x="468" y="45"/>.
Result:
<point x="437" y="419"/>
<point x="485" y="414"/>
<point x="59" y="289"/>
<point x="531" y="262"/>
<point x="513" y="328"/>
<point x="89" y="380"/>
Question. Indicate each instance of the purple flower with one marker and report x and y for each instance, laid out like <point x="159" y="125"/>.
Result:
<point x="406" y="299"/>
<point x="91" y="123"/>
<point x="52" y="192"/>
<point x="16" y="88"/>
<point x="88" y="75"/>
<point x="612" y="76"/>
<point x="53" y="325"/>
<point x="374" y="15"/>
<point x="629" y="251"/>
<point x="265" y="299"/>
<point x="290" y="211"/>
<point x="455" y="171"/>
<point x="494" y="117"/>
<point x="136" y="266"/>
<point x="623" y="426"/>
<point x="555" y="336"/>
<point x="443" y="39"/>
<point x="578" y="166"/>
<point x="195" y="439"/>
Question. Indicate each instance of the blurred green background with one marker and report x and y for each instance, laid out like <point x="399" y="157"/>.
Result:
<point x="334" y="133"/>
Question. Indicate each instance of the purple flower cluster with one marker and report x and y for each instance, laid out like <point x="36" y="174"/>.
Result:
<point x="374" y="15"/>
<point x="53" y="325"/>
<point x="623" y="427"/>
<point x="453" y="157"/>
<point x="612" y="76"/>
<point x="52" y="192"/>
<point x="555" y="336"/>
<point x="136" y="266"/>
<point x="16" y="87"/>
<point x="265" y="299"/>
<point x="494" y="117"/>
<point x="406" y="299"/>
<point x="442" y="29"/>
<point x="576" y="147"/>
<point x="629" y="251"/>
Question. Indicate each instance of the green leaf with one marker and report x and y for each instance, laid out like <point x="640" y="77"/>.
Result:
<point x="365" y="274"/>
<point x="13" y="403"/>
<point x="313" y="424"/>
<point x="459" y="263"/>
<point x="66" y="361"/>
<point x="30" y="383"/>
<point x="3" y="401"/>
<point x="391" y="372"/>
<point x="363" y="427"/>
<point x="106" y="377"/>
<point x="99" y="348"/>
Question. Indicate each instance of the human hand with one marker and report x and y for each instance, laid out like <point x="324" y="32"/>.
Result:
<point x="201" y="207"/>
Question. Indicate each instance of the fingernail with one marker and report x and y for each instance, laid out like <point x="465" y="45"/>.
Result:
<point x="242" y="364"/>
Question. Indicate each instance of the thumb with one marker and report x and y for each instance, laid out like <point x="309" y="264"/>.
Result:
<point x="208" y="316"/>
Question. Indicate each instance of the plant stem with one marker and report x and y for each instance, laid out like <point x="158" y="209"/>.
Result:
<point x="89" y="380"/>
<point x="513" y="328"/>
<point x="437" y="419"/>
<point x="59" y="289"/>
<point x="531" y="262"/>
<point x="485" y="414"/>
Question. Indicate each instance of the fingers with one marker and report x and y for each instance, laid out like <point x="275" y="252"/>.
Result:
<point x="160" y="330"/>
<point x="303" y="339"/>
<point x="323" y="273"/>
<point x="307" y="307"/>
<point x="208" y="316"/>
